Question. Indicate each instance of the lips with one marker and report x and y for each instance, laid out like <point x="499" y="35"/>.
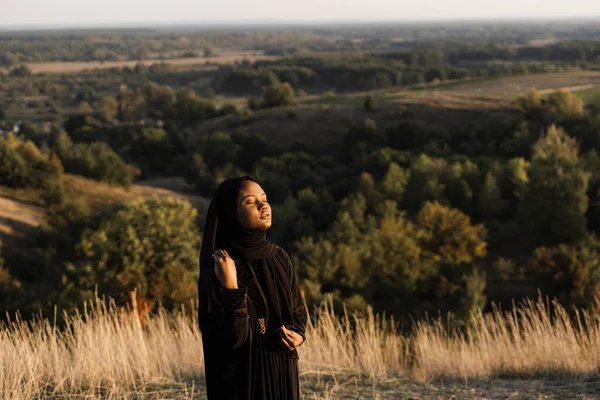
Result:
<point x="265" y="216"/>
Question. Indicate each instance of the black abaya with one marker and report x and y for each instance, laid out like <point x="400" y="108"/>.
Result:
<point x="243" y="361"/>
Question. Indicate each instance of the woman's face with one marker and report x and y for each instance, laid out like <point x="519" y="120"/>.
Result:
<point x="253" y="210"/>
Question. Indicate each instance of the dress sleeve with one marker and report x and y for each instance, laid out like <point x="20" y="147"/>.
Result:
<point x="300" y="314"/>
<point x="228" y="321"/>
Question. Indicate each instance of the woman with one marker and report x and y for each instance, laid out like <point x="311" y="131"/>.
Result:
<point x="251" y="314"/>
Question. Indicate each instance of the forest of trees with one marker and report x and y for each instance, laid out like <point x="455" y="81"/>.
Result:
<point x="413" y="217"/>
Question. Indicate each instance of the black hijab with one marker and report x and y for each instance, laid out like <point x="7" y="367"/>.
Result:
<point x="222" y="230"/>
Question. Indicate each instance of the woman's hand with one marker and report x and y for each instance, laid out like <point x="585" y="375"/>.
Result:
<point x="289" y="338"/>
<point x="225" y="269"/>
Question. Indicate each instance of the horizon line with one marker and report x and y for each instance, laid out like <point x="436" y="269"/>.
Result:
<point x="275" y="22"/>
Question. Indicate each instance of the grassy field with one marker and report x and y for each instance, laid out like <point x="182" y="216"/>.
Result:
<point x="590" y="95"/>
<point x="179" y="63"/>
<point x="105" y="352"/>
<point x="518" y="85"/>
<point x="475" y="92"/>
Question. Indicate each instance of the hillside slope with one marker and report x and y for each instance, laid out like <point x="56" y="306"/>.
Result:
<point x="22" y="210"/>
<point x="321" y="123"/>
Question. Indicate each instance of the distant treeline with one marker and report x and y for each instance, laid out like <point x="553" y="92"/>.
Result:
<point x="356" y="71"/>
<point x="137" y="44"/>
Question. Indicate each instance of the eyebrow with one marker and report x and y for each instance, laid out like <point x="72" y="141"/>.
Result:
<point x="251" y="195"/>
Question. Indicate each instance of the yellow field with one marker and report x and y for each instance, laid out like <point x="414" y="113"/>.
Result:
<point x="75" y="67"/>
<point x="518" y="85"/>
<point x="107" y="352"/>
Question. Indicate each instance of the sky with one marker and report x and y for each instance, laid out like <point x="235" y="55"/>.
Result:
<point x="115" y="12"/>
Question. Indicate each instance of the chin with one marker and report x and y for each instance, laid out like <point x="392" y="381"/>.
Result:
<point x="263" y="226"/>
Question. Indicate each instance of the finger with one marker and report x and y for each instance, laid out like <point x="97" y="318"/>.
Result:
<point x="296" y="339"/>
<point x="287" y="345"/>
<point x="225" y="254"/>
<point x="290" y="337"/>
<point x="287" y="340"/>
<point x="288" y="333"/>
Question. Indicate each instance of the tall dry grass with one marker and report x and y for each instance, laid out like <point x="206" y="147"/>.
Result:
<point x="105" y="351"/>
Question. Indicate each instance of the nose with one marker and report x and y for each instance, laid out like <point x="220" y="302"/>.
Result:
<point x="261" y="206"/>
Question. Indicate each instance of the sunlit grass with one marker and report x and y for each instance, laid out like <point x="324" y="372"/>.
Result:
<point x="105" y="351"/>
<point x="590" y="96"/>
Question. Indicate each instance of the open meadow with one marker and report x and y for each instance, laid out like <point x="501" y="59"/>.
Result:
<point x="534" y="351"/>
<point x="208" y="63"/>
<point x="518" y="85"/>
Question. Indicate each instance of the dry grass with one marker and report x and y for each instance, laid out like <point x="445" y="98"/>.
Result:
<point x="178" y="63"/>
<point x="105" y="351"/>
<point x="518" y="85"/>
<point x="99" y="194"/>
<point x="536" y="340"/>
<point x="17" y="218"/>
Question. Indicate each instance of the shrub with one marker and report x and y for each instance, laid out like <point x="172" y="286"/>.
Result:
<point x="95" y="160"/>
<point x="23" y="165"/>
<point x="278" y="95"/>
<point x="569" y="273"/>
<point x="370" y="104"/>
<point x="147" y="245"/>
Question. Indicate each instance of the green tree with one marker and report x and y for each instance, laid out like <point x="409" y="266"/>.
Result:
<point x="564" y="105"/>
<point x="219" y="149"/>
<point x="395" y="263"/>
<point x="370" y="103"/>
<point x="20" y="71"/>
<point x="208" y="52"/>
<point x="555" y="108"/>
<point x="23" y="165"/>
<point x="278" y="95"/>
<point x="569" y="273"/>
<point x="108" y="108"/>
<point x="514" y="183"/>
<point x="366" y="186"/>
<point x="458" y="190"/>
<point x="95" y="160"/>
<point x="190" y="108"/>
<point x="147" y="245"/>
<point x="85" y="108"/>
<point x="455" y="247"/>
<point x="424" y="183"/>
<point x="490" y="201"/>
<point x="556" y="200"/>
<point x="11" y="299"/>
<point x="448" y="236"/>
<point x="155" y="100"/>
<point x="154" y="150"/>
<point x="394" y="182"/>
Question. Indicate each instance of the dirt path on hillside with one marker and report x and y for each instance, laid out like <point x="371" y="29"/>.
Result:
<point x="18" y="219"/>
